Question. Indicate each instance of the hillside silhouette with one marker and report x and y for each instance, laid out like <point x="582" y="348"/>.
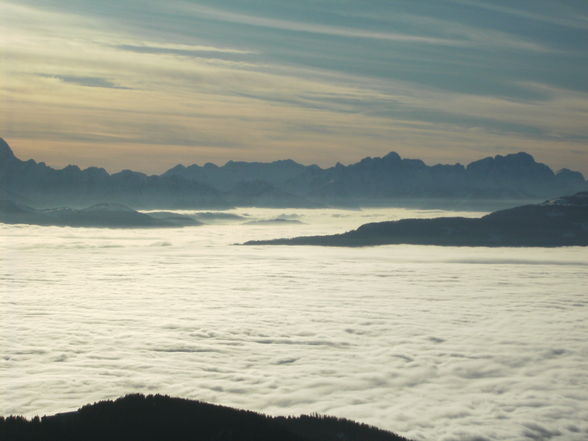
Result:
<point x="558" y="222"/>
<point x="106" y="215"/>
<point x="161" y="418"/>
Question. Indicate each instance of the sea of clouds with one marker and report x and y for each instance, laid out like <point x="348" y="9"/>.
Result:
<point x="433" y="343"/>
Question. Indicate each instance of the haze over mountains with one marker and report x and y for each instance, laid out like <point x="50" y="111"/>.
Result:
<point x="97" y="216"/>
<point x="36" y="184"/>
<point x="559" y="222"/>
<point x="390" y="180"/>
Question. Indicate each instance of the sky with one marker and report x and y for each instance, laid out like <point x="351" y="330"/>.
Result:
<point x="149" y="84"/>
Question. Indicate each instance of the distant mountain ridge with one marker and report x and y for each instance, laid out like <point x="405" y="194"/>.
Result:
<point x="390" y="178"/>
<point x="39" y="185"/>
<point x="387" y="180"/>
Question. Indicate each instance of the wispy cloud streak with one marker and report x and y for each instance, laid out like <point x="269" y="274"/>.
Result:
<point x="448" y="90"/>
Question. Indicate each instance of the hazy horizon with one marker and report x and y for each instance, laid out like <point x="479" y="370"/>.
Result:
<point x="326" y="165"/>
<point x="148" y="85"/>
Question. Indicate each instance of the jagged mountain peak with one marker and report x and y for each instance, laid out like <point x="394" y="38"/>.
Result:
<point x="126" y="173"/>
<point x="566" y="173"/>
<point x="392" y="156"/>
<point x="177" y="169"/>
<point x="71" y="168"/>
<point x="373" y="180"/>
<point x="520" y="157"/>
<point x="510" y="161"/>
<point x="5" y="150"/>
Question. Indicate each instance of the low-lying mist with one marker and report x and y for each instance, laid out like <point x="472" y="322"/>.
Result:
<point x="429" y="342"/>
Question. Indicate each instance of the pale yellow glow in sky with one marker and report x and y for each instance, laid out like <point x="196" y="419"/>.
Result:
<point x="71" y="93"/>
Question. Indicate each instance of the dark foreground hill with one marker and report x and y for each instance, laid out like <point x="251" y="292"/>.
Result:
<point x="96" y="216"/>
<point x="161" y="418"/>
<point x="559" y="222"/>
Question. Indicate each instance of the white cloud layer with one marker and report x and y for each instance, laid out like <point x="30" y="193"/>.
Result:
<point x="434" y="343"/>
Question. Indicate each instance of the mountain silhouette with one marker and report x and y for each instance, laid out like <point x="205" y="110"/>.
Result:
<point x="105" y="215"/>
<point x="161" y="418"/>
<point x="489" y="183"/>
<point x="374" y="181"/>
<point x="36" y="184"/>
<point x="559" y="222"/>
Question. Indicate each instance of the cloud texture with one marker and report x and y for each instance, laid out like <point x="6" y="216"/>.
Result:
<point x="433" y="343"/>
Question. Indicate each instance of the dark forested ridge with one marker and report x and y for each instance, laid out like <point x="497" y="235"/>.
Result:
<point x="493" y="182"/>
<point x="558" y="222"/>
<point x="96" y="216"/>
<point x="161" y="418"/>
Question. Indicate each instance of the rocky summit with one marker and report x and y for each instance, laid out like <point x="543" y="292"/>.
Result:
<point x="487" y="184"/>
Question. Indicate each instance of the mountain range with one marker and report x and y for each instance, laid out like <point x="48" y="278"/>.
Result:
<point x="389" y="180"/>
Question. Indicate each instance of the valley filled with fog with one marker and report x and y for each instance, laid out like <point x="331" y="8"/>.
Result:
<point x="434" y="343"/>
